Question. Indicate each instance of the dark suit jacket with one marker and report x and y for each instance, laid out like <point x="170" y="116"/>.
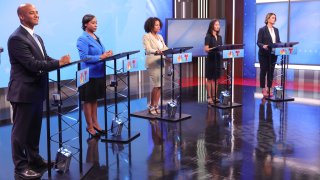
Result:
<point x="264" y="37"/>
<point x="28" y="75"/>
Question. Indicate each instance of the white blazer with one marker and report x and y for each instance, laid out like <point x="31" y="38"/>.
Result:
<point x="151" y="45"/>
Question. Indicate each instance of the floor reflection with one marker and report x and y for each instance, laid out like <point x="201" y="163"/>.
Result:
<point x="260" y="140"/>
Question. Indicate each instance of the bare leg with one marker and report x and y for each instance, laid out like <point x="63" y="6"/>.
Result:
<point x="209" y="91"/>
<point x="153" y="96"/>
<point x="94" y="109"/>
<point x="157" y="96"/>
<point x="87" y="108"/>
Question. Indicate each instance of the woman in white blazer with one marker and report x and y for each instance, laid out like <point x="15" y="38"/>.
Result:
<point x="154" y="45"/>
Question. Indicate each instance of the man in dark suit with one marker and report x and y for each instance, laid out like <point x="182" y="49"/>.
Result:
<point x="26" y="92"/>
<point x="267" y="35"/>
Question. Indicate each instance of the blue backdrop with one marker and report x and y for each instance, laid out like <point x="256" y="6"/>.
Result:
<point x="304" y="26"/>
<point x="120" y="26"/>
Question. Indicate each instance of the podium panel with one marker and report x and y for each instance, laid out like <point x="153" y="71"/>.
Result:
<point x="284" y="50"/>
<point x="120" y="75"/>
<point x="179" y="56"/>
<point x="229" y="52"/>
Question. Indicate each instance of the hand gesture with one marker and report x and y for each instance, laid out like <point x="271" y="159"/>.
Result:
<point x="106" y="54"/>
<point x="64" y="60"/>
<point x="265" y="47"/>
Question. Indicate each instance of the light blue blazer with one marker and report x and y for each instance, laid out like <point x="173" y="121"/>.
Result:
<point x="88" y="47"/>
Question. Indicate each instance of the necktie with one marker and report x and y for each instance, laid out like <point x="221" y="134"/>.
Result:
<point x="38" y="42"/>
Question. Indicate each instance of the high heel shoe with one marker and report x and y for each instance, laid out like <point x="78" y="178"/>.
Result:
<point x="158" y="110"/>
<point x="210" y="102"/>
<point x="216" y="100"/>
<point x="91" y="134"/>
<point x="100" y="131"/>
<point x="152" y="110"/>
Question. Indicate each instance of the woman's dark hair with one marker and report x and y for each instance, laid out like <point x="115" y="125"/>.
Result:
<point x="150" y="22"/>
<point x="86" y="18"/>
<point x="210" y="28"/>
<point x="268" y="17"/>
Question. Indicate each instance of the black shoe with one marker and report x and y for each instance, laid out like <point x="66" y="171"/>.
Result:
<point x="93" y="135"/>
<point x="100" y="131"/>
<point x="41" y="166"/>
<point x="28" y="174"/>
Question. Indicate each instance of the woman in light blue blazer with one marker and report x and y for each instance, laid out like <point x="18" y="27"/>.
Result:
<point x="89" y="46"/>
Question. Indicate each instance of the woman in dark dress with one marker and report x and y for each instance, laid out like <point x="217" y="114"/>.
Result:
<point x="214" y="59"/>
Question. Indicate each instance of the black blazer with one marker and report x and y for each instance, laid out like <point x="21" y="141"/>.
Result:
<point x="264" y="37"/>
<point x="28" y="75"/>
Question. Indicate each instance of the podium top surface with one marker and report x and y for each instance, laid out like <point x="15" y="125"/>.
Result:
<point x="227" y="47"/>
<point x="286" y="44"/>
<point x="72" y="63"/>
<point x="176" y="50"/>
<point x="119" y="55"/>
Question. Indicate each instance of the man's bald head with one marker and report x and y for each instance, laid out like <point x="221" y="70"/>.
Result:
<point x="28" y="15"/>
<point x="22" y="8"/>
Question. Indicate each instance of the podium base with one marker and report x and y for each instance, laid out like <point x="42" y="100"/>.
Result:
<point x="222" y="106"/>
<point x="273" y="99"/>
<point x="72" y="173"/>
<point x="124" y="138"/>
<point x="146" y="115"/>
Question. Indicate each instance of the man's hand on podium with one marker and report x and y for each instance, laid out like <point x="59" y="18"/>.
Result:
<point x="64" y="60"/>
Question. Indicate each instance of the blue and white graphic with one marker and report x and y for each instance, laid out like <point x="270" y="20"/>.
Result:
<point x="82" y="77"/>
<point x="191" y="32"/>
<point x="181" y="58"/>
<point x="235" y="53"/>
<point x="120" y="27"/>
<point x="286" y="51"/>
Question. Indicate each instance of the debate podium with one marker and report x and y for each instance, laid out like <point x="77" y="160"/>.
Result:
<point x="179" y="56"/>
<point x="62" y="105"/>
<point x="229" y="52"/>
<point x="284" y="50"/>
<point x="123" y="137"/>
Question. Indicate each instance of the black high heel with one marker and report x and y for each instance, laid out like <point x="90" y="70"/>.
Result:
<point x="100" y="131"/>
<point x="92" y="135"/>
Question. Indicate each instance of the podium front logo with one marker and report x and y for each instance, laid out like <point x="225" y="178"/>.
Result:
<point x="82" y="77"/>
<point x="181" y="58"/>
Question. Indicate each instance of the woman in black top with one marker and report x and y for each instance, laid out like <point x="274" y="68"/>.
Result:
<point x="214" y="59"/>
<point x="267" y="35"/>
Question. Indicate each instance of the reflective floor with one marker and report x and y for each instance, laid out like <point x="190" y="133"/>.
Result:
<point x="259" y="140"/>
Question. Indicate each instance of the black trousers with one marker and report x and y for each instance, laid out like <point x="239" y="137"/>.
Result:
<point x="25" y="135"/>
<point x="267" y="64"/>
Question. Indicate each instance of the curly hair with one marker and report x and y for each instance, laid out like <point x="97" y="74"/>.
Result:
<point x="150" y="22"/>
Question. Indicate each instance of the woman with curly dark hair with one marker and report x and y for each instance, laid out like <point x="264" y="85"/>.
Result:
<point x="154" y="45"/>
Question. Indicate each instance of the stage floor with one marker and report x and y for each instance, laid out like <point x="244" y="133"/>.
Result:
<point x="259" y="140"/>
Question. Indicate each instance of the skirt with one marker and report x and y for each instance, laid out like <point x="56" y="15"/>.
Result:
<point x="92" y="90"/>
<point x="214" y="66"/>
<point x="155" y="76"/>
